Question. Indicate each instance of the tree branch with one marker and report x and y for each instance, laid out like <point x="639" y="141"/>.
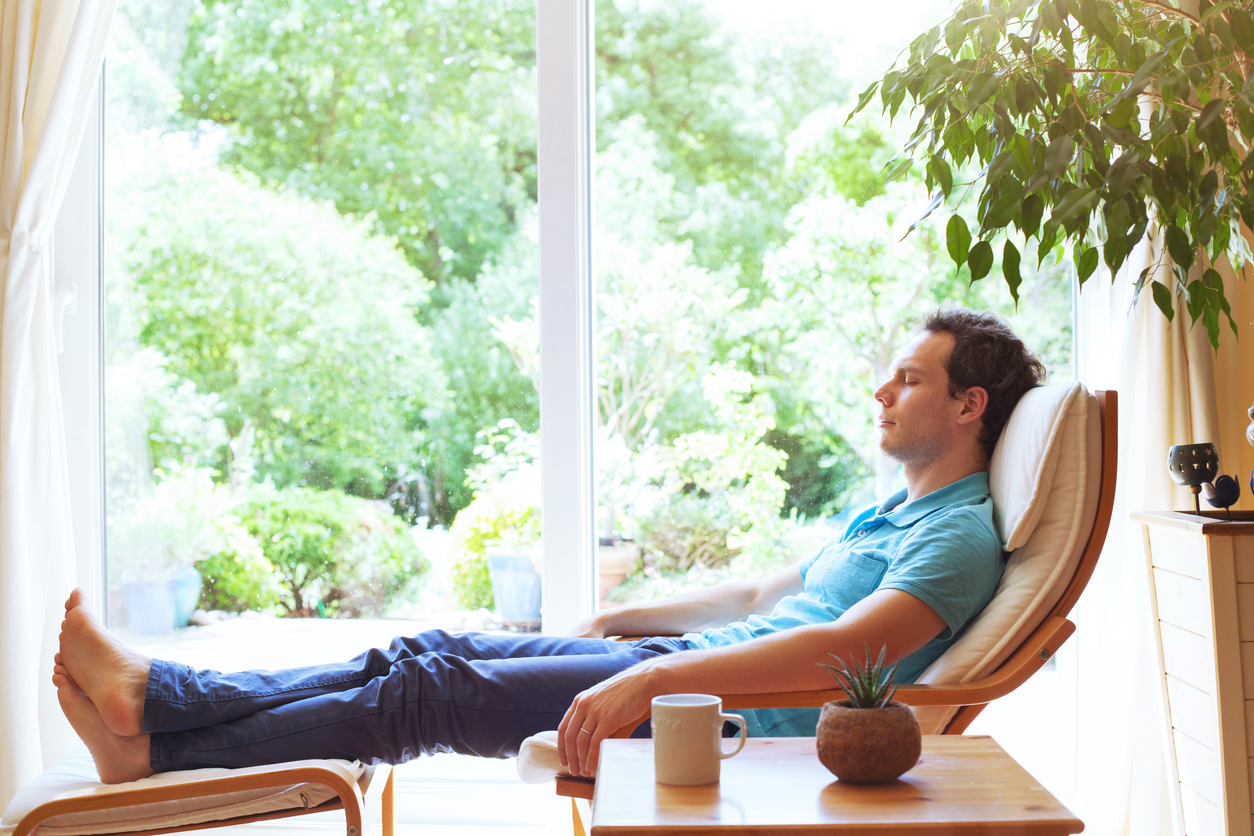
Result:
<point x="1172" y="9"/>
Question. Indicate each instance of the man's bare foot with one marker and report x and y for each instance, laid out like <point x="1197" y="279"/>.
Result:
<point x="109" y="673"/>
<point x="118" y="759"/>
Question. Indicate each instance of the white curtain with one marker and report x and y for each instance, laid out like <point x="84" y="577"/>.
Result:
<point x="1164" y="374"/>
<point x="50" y="59"/>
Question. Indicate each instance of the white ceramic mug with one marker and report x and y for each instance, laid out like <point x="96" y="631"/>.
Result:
<point x="687" y="738"/>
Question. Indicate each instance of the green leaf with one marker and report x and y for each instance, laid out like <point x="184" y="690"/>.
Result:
<point x="1214" y="108"/>
<point x="1210" y="318"/>
<point x="982" y="87"/>
<point x="1010" y="270"/>
<point x="1141" y="77"/>
<point x="899" y="170"/>
<point x="1122" y="175"/>
<point x="863" y="99"/>
<point x="1219" y="240"/>
<point x="1058" y="156"/>
<point x="1179" y="247"/>
<point x="1195" y="297"/>
<point x="1049" y="234"/>
<point x="1224" y="32"/>
<point x="939" y="169"/>
<point x="1162" y="298"/>
<point x="1039" y="179"/>
<point x="937" y="200"/>
<point x="980" y="260"/>
<point x="1115" y="251"/>
<point x="1053" y="78"/>
<point x="1215" y="9"/>
<point x="1085" y="263"/>
<point x="1075" y="204"/>
<point x="1032" y="210"/>
<point x="958" y="239"/>
<point x="1000" y="212"/>
<point x="1242" y="29"/>
<point x="1204" y="229"/>
<point x="1201" y="45"/>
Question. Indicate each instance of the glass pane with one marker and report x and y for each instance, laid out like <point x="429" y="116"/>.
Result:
<point x="321" y="281"/>
<point x="755" y="280"/>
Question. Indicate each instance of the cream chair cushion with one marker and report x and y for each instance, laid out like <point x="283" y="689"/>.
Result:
<point x="1044" y="480"/>
<point x="537" y="759"/>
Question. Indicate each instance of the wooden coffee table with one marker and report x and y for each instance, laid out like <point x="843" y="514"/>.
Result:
<point x="961" y="785"/>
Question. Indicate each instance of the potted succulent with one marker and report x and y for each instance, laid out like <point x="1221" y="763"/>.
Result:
<point x="868" y="738"/>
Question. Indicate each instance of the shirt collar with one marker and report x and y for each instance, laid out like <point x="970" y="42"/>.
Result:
<point x="966" y="490"/>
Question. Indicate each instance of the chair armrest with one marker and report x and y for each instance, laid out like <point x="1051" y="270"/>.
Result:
<point x="1027" y="660"/>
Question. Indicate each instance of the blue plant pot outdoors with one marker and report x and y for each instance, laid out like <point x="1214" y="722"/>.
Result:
<point x="186" y="586"/>
<point x="516" y="588"/>
<point x="149" y="607"/>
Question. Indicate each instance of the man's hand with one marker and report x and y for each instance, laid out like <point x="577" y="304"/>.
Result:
<point x="599" y="712"/>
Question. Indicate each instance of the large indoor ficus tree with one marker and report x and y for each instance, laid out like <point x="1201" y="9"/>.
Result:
<point x="1088" y="120"/>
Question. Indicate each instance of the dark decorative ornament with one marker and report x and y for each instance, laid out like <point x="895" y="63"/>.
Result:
<point x="1191" y="465"/>
<point x="1223" y="493"/>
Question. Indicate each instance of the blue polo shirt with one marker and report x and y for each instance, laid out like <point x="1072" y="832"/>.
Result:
<point x="942" y="548"/>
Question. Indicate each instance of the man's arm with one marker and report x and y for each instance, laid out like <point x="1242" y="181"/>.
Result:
<point x="784" y="661"/>
<point x="696" y="610"/>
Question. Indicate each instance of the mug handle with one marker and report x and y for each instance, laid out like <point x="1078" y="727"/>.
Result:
<point x="740" y="721"/>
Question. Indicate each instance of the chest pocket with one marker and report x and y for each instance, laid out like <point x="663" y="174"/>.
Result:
<point x="848" y="577"/>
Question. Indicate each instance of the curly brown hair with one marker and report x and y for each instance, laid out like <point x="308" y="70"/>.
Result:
<point x="989" y="355"/>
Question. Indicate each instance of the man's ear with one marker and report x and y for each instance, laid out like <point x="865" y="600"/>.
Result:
<point x="974" y="402"/>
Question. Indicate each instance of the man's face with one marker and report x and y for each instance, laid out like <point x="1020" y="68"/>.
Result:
<point x="918" y="417"/>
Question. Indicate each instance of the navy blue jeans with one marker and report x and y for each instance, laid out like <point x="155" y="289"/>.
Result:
<point x="472" y="693"/>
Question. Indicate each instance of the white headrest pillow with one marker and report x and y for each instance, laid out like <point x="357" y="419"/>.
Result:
<point x="1022" y="467"/>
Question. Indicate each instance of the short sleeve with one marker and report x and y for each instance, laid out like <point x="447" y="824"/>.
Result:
<point x="952" y="563"/>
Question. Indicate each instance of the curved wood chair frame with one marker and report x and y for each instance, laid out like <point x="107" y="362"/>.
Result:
<point x="971" y="697"/>
<point x="373" y="791"/>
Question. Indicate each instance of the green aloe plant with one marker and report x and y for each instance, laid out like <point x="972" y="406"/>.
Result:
<point x="1088" y="120"/>
<point x="869" y="684"/>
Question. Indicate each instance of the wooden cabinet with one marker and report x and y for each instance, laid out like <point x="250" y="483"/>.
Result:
<point x="1201" y="572"/>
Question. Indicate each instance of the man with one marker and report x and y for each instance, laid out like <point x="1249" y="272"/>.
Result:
<point x="908" y="575"/>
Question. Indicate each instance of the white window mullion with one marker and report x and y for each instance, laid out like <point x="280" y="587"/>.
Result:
<point x="79" y="311"/>
<point x="565" y="151"/>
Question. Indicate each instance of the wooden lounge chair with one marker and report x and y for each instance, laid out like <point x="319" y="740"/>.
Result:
<point x="1056" y="534"/>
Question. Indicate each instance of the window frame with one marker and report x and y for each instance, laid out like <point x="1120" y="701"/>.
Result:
<point x="78" y="313"/>
<point x="565" y="144"/>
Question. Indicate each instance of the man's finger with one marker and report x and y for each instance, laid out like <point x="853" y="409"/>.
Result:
<point x="565" y="746"/>
<point x="561" y="739"/>
<point x="594" y="753"/>
<point x="569" y="739"/>
<point x="588" y="743"/>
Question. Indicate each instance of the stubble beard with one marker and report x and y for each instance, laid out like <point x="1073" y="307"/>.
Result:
<point x="912" y="451"/>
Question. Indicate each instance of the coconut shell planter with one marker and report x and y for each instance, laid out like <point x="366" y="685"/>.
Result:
<point x="868" y="738"/>
<point x="868" y="745"/>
